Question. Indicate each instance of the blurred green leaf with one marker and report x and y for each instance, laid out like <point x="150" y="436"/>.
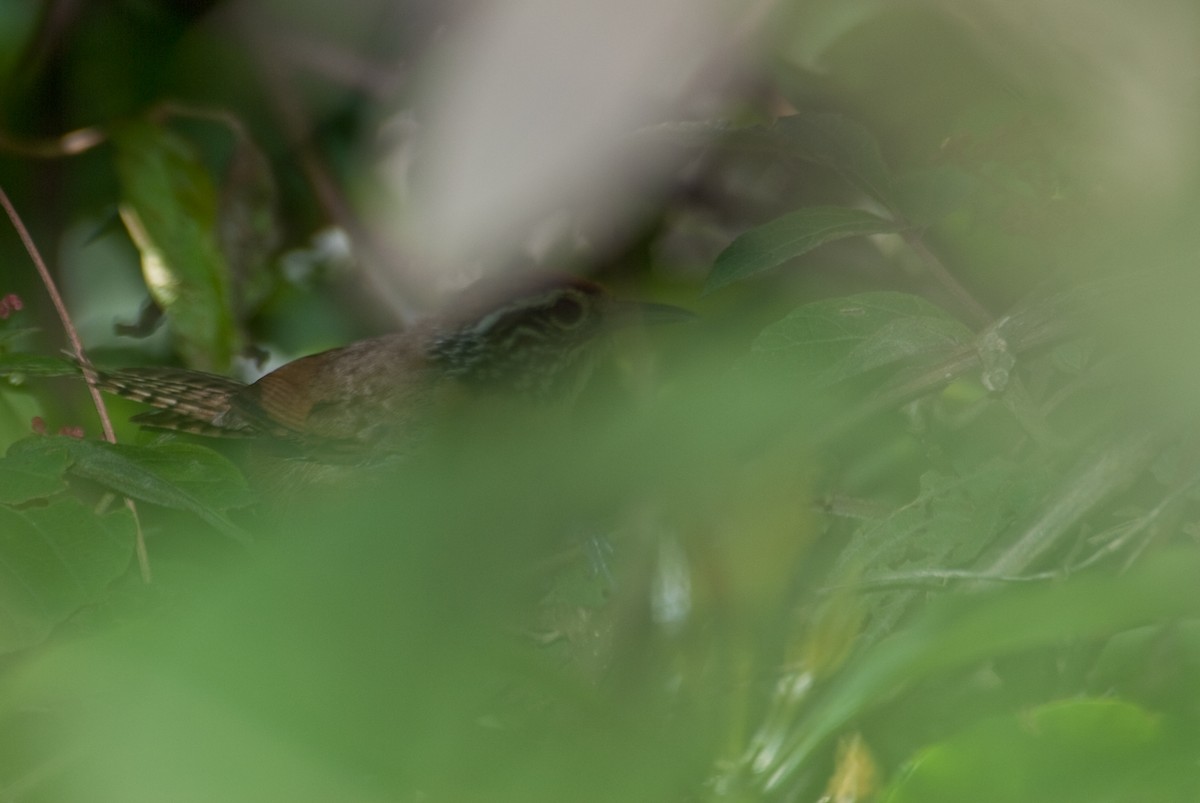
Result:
<point x="1075" y="750"/>
<point x="54" y="559"/>
<point x="927" y="195"/>
<point x="790" y="236"/>
<point x="31" y="475"/>
<point x="829" y="341"/>
<point x="169" y="206"/>
<point x="404" y="627"/>
<point x="957" y="630"/>
<point x="1158" y="663"/>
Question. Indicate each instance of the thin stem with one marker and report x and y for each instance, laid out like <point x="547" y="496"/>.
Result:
<point x="89" y="374"/>
<point x="1095" y="479"/>
<point x="933" y="579"/>
<point x="61" y="308"/>
<point x="937" y="269"/>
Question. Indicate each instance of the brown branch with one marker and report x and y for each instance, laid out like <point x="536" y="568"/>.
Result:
<point x="89" y="372"/>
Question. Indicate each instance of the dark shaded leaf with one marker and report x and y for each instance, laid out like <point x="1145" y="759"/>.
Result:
<point x="839" y="143"/>
<point x="790" y="236"/>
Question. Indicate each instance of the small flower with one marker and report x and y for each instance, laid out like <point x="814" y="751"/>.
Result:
<point x="9" y="304"/>
<point x="39" y="425"/>
<point x="71" y="432"/>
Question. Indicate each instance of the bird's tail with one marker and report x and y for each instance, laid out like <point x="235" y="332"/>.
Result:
<point x="186" y="401"/>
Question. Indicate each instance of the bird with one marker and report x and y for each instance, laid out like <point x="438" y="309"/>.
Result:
<point x="535" y="340"/>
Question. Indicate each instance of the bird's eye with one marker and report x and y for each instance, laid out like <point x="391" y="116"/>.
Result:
<point x="567" y="312"/>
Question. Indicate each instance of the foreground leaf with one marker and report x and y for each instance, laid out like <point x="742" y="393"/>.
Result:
<point x="24" y="477"/>
<point x="53" y="560"/>
<point x="957" y="631"/>
<point x="928" y="195"/>
<point x="1076" y="750"/>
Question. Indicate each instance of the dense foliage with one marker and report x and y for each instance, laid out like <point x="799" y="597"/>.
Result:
<point x="907" y="513"/>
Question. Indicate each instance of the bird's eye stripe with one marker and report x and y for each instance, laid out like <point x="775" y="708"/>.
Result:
<point x="549" y="303"/>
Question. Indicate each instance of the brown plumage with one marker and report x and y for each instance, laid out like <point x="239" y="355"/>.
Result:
<point x="375" y="396"/>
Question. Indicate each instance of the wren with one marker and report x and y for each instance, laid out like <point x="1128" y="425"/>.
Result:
<point x="536" y="341"/>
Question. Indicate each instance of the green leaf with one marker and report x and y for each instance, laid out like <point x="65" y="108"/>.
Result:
<point x="790" y="236"/>
<point x="32" y="475"/>
<point x="169" y="206"/>
<point x="1075" y="750"/>
<point x="53" y="560"/>
<point x="36" y="365"/>
<point x="205" y="474"/>
<point x="838" y="143"/>
<point x="180" y="476"/>
<point x="833" y="340"/>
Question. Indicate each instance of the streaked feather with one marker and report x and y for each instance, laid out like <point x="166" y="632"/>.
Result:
<point x="186" y="401"/>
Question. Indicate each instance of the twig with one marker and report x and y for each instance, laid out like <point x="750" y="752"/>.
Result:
<point x="80" y="355"/>
<point x="934" y="578"/>
<point x="937" y="269"/>
<point x="367" y="245"/>
<point x="71" y="143"/>
<point x="341" y="66"/>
